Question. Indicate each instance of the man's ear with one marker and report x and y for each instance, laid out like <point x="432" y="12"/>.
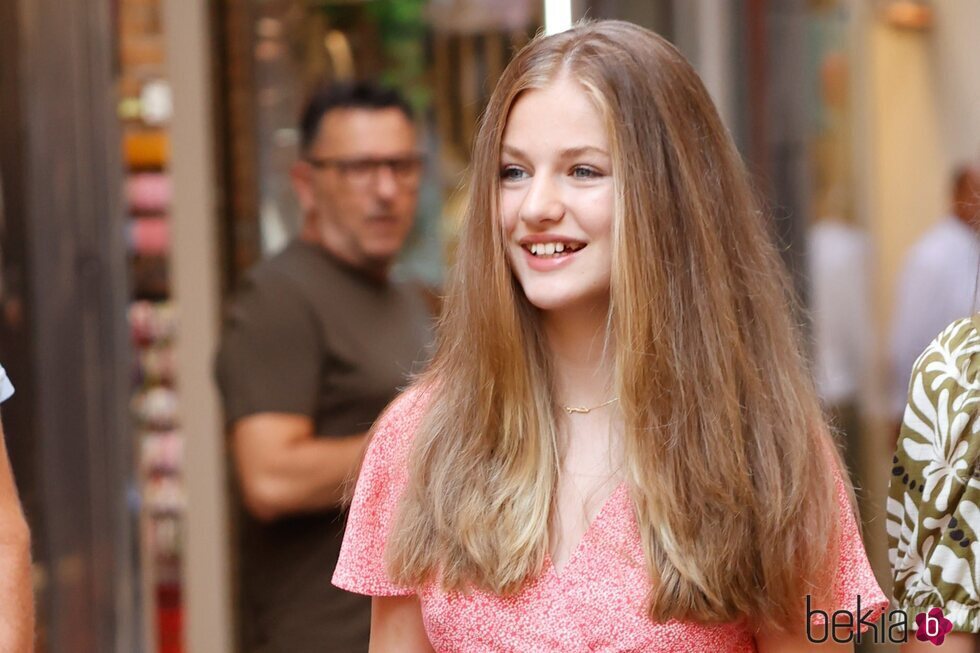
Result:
<point x="301" y="176"/>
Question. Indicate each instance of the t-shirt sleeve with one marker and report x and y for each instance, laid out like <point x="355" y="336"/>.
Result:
<point x="270" y="354"/>
<point x="380" y="486"/>
<point x="855" y="580"/>
<point x="6" y="387"/>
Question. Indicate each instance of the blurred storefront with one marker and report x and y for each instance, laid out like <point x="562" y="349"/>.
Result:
<point x="101" y="236"/>
<point x="144" y="155"/>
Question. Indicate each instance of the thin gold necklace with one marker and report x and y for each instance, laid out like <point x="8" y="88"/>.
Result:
<point x="583" y="409"/>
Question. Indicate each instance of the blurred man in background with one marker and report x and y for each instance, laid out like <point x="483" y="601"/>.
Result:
<point x="315" y="344"/>
<point x="16" y="589"/>
<point x="938" y="283"/>
<point x="840" y="299"/>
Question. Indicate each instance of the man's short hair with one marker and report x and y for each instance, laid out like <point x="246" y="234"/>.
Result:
<point x="347" y="95"/>
<point x="964" y="176"/>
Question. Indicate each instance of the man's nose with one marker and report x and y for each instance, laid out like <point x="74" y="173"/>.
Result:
<point x="543" y="201"/>
<point x="386" y="185"/>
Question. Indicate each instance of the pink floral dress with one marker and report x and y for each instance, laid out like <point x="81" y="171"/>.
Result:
<point x="596" y="603"/>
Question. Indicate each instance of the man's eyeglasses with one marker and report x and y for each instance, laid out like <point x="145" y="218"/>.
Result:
<point x="406" y="170"/>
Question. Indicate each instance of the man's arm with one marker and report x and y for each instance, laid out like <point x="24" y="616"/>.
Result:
<point x="16" y="591"/>
<point x="284" y="469"/>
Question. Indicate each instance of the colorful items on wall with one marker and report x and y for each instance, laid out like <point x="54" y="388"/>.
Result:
<point x="145" y="109"/>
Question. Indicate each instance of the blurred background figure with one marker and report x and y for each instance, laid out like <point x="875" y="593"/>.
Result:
<point x="938" y="282"/>
<point x="16" y="589"/>
<point x="838" y="269"/>
<point x="315" y="345"/>
<point x="839" y="250"/>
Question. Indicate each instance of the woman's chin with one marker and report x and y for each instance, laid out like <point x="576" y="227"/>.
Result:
<point x="554" y="302"/>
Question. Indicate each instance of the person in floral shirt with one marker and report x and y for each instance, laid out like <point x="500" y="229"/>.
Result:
<point x="934" y="497"/>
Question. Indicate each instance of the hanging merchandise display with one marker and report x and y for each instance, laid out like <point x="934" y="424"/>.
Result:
<point x="145" y="109"/>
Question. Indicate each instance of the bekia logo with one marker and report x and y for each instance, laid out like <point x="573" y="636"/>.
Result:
<point x="841" y="626"/>
<point x="880" y="627"/>
<point x="932" y="626"/>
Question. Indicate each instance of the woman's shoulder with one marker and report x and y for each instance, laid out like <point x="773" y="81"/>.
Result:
<point x="951" y="359"/>
<point x="406" y="410"/>
<point x="394" y="430"/>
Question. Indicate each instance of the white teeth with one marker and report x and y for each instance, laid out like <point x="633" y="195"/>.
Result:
<point x="550" y="249"/>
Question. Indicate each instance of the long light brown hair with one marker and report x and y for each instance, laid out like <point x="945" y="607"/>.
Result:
<point x="728" y="459"/>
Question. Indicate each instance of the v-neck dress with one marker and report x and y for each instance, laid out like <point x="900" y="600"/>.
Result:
<point x="596" y="602"/>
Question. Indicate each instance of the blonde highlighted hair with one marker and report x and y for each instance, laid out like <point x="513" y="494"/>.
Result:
<point x="729" y="463"/>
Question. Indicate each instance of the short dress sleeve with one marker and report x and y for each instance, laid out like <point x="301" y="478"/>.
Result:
<point x="856" y="590"/>
<point x="380" y="486"/>
<point x="933" y="516"/>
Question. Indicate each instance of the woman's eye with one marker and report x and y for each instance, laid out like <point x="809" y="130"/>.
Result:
<point x="511" y="173"/>
<point x="585" y="172"/>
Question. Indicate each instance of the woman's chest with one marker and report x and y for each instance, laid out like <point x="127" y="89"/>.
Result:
<point x="596" y="603"/>
<point x="599" y="612"/>
<point x="591" y="474"/>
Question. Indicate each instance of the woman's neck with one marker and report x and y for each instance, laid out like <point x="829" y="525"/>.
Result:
<point x="583" y="360"/>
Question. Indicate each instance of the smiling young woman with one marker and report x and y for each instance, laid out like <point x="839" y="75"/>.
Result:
<point x="617" y="446"/>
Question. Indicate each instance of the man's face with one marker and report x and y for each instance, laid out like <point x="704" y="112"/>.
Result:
<point x="972" y="197"/>
<point x="358" y="185"/>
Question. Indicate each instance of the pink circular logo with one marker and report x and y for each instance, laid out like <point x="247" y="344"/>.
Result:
<point x="932" y="626"/>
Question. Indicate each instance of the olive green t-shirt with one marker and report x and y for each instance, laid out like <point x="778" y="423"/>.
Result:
<point x="308" y="335"/>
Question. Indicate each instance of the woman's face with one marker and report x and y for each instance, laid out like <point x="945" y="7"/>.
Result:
<point x="557" y="197"/>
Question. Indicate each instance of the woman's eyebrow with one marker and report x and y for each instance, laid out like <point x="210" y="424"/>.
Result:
<point x="568" y="152"/>
<point x="582" y="149"/>
<point x="515" y="152"/>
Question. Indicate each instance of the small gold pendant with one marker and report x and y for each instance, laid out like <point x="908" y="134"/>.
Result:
<point x="583" y="410"/>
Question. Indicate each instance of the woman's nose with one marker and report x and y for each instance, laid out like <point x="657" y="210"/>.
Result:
<point x="543" y="201"/>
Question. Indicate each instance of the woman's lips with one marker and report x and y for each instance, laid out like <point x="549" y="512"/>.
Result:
<point x="548" y="263"/>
